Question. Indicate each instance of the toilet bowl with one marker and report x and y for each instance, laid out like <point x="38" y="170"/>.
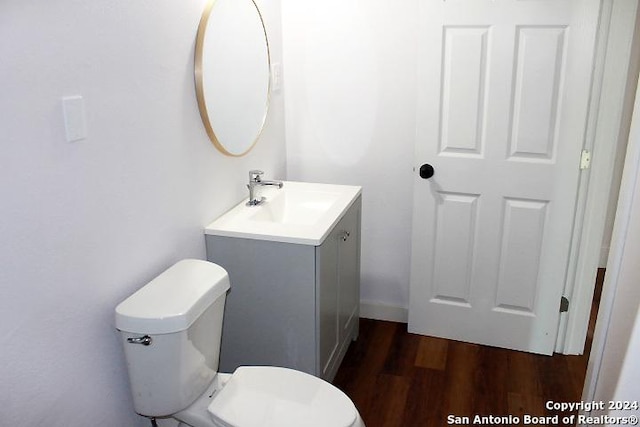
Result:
<point x="171" y="330"/>
<point x="271" y="397"/>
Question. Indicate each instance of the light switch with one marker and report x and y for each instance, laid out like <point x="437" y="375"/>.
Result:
<point x="74" y="120"/>
<point x="276" y="77"/>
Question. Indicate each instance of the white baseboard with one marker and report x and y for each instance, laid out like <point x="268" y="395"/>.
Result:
<point x="378" y="311"/>
<point x="604" y="255"/>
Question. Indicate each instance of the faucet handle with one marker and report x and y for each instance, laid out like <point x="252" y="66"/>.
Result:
<point x="255" y="175"/>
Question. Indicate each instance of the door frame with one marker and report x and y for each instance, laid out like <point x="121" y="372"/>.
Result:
<point x="612" y="93"/>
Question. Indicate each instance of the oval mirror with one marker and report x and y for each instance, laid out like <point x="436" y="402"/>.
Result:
<point x="232" y="71"/>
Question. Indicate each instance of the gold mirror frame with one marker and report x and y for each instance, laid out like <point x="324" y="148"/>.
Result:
<point x="199" y="81"/>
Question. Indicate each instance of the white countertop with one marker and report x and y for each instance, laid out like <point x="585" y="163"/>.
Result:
<point x="300" y="212"/>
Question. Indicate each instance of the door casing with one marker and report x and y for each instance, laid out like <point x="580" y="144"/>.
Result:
<point x="615" y="76"/>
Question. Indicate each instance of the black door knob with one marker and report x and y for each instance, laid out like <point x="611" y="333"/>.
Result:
<point x="426" y="171"/>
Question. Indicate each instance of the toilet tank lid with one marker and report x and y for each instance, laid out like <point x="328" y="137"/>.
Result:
<point x="174" y="300"/>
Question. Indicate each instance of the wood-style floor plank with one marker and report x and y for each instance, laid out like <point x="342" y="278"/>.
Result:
<point x="432" y="353"/>
<point x="425" y="406"/>
<point x="402" y="353"/>
<point x="459" y="387"/>
<point x="390" y="399"/>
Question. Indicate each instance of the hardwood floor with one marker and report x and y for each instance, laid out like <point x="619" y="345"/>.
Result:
<point x="400" y="379"/>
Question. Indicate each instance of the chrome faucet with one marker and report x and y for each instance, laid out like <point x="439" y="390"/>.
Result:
<point x="255" y="180"/>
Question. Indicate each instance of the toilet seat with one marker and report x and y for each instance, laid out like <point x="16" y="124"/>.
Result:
<point x="280" y="397"/>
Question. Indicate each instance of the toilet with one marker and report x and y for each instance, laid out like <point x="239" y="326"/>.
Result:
<point x="171" y="330"/>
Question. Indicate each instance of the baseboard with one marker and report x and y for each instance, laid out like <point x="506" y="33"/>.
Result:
<point x="383" y="312"/>
<point x="604" y="255"/>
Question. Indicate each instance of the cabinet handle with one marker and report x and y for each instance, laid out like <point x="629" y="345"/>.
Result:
<point x="345" y="236"/>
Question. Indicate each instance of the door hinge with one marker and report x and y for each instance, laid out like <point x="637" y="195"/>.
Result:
<point x="564" y="304"/>
<point x="585" y="159"/>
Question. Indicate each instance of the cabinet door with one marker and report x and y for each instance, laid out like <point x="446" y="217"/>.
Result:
<point x="338" y="288"/>
<point x="327" y="284"/>
<point x="349" y="273"/>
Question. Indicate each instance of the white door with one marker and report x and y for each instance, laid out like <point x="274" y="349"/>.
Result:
<point x="502" y="106"/>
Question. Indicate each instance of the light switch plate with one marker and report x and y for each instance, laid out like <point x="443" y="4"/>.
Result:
<point x="276" y="77"/>
<point x="75" y="124"/>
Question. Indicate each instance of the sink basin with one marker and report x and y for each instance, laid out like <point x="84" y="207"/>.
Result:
<point x="296" y="207"/>
<point x="300" y="212"/>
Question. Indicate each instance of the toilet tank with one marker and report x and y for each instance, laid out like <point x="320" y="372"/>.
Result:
<point x="180" y="311"/>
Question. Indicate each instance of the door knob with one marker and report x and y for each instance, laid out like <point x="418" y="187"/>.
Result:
<point x="426" y="171"/>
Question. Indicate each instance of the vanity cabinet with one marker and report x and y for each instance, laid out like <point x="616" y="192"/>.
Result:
<point x="292" y="305"/>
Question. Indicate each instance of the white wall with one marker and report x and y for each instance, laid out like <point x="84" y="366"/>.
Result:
<point x="619" y="376"/>
<point x="83" y="225"/>
<point x="613" y="372"/>
<point x="350" y="119"/>
<point x="634" y="67"/>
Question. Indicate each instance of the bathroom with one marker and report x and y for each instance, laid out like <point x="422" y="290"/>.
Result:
<point x="86" y="223"/>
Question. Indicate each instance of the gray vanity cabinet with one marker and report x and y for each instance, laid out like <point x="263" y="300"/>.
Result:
<point x="291" y="305"/>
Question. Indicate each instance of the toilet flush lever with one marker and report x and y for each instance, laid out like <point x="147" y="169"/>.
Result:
<point x="145" y="340"/>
